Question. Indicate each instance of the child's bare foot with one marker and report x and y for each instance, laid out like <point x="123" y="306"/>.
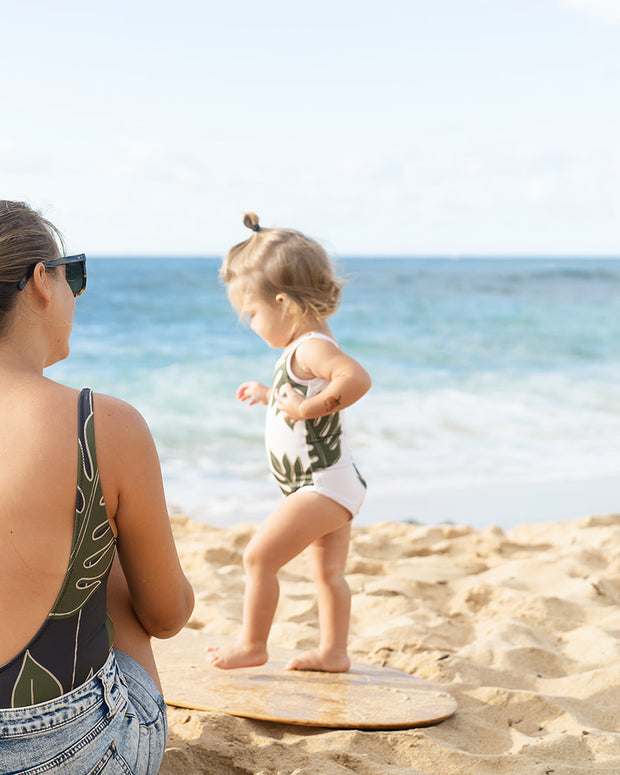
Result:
<point x="319" y="660"/>
<point x="237" y="655"/>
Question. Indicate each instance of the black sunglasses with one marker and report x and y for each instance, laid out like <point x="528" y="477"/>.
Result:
<point x="75" y="272"/>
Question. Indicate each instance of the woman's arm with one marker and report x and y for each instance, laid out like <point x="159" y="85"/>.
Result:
<point x="161" y="595"/>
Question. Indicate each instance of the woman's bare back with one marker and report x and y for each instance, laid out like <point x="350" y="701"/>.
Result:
<point x="38" y="478"/>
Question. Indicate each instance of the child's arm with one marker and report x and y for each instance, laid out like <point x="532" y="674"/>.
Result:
<point x="255" y="391"/>
<point x="348" y="381"/>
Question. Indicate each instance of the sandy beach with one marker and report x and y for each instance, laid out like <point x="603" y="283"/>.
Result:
<point x="521" y="627"/>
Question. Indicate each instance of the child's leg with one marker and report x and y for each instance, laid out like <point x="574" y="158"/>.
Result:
<point x="328" y="556"/>
<point x="296" y="523"/>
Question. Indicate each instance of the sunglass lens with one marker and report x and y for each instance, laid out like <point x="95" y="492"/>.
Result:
<point x="76" y="277"/>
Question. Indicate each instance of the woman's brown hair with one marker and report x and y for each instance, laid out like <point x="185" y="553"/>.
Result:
<point x="26" y="238"/>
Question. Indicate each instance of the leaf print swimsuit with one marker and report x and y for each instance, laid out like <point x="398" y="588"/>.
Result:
<point x="74" y="641"/>
<point x="310" y="455"/>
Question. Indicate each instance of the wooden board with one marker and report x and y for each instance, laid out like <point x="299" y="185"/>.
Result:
<point x="366" y="697"/>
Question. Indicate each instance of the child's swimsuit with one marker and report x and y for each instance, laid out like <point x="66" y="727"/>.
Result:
<point x="310" y="455"/>
<point x="76" y="637"/>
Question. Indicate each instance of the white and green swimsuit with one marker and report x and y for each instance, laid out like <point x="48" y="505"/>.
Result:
<point x="310" y="455"/>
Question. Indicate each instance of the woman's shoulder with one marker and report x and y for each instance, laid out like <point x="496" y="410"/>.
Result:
<point x="114" y="406"/>
<point x="54" y="397"/>
<point x="117" y="417"/>
<point x="125" y="446"/>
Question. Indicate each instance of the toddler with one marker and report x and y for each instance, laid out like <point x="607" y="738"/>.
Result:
<point x="285" y="284"/>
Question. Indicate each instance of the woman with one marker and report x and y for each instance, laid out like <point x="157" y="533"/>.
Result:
<point x="80" y="490"/>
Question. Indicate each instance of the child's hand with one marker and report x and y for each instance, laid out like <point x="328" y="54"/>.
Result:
<point x="255" y="392"/>
<point x="289" y="401"/>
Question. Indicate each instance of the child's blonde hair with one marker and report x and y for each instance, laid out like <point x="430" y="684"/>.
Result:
<point x="274" y="261"/>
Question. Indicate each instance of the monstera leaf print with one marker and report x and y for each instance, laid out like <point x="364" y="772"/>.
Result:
<point x="34" y="684"/>
<point x="290" y="476"/>
<point x="280" y="379"/>
<point x="89" y="566"/>
<point x="323" y="439"/>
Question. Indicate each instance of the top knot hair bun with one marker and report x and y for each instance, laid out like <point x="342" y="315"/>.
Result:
<point x="251" y="221"/>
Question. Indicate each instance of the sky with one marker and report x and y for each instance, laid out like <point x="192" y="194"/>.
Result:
<point x="400" y="127"/>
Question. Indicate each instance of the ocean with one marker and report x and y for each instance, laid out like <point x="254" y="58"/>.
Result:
<point x="495" y="395"/>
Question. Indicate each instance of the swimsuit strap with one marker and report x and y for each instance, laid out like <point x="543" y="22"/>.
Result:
<point x="305" y="337"/>
<point x="92" y="550"/>
<point x="318" y="335"/>
<point x="287" y="355"/>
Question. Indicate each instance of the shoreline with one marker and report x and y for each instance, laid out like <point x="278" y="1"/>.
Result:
<point x="507" y="504"/>
<point x="521" y="627"/>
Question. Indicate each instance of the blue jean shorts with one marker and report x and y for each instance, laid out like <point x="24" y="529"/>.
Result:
<point x="114" y="724"/>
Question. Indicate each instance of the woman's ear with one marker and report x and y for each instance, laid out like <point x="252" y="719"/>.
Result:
<point x="40" y="285"/>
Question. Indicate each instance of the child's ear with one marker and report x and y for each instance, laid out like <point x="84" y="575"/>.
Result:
<point x="283" y="300"/>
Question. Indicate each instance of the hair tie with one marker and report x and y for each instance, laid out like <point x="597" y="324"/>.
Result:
<point x="255" y="227"/>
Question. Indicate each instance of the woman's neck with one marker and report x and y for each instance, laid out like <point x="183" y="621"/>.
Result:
<point x="20" y="356"/>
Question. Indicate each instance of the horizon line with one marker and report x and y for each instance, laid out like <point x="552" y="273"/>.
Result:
<point x="388" y="256"/>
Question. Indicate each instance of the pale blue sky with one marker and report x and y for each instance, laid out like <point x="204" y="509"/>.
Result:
<point x="401" y="127"/>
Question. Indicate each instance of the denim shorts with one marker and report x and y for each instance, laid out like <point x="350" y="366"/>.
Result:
<point x="114" y="724"/>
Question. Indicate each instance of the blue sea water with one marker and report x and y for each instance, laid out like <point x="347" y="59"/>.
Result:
<point x="495" y="393"/>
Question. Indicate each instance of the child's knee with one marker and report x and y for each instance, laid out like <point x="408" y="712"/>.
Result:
<point x="331" y="575"/>
<point x="256" y="559"/>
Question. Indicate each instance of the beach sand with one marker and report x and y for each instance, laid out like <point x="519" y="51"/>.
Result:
<point x="522" y="628"/>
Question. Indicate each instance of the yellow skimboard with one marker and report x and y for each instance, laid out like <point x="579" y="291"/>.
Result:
<point x="366" y="697"/>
